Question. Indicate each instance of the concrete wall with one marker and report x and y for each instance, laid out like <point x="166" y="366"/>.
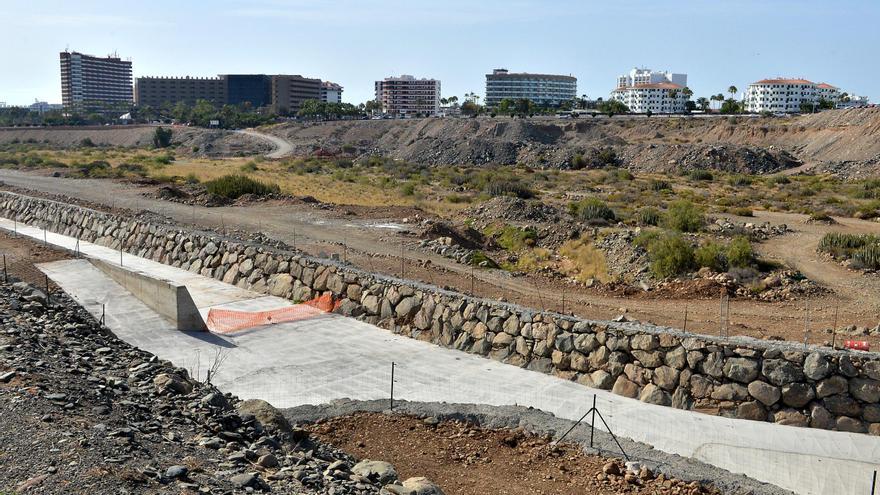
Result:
<point x="167" y="298"/>
<point x="738" y="377"/>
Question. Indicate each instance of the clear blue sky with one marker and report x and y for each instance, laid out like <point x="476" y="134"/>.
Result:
<point x="354" y="42"/>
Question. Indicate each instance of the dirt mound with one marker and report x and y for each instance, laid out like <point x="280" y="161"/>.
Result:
<point x="514" y="210"/>
<point x="741" y="144"/>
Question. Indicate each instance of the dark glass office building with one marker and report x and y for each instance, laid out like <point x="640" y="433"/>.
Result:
<point x="253" y="88"/>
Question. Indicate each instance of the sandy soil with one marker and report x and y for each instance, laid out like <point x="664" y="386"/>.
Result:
<point x="380" y="245"/>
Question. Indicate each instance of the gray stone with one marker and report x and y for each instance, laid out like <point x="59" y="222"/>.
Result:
<point x="797" y="394"/>
<point x="701" y="387"/>
<point x="842" y="405"/>
<point x="676" y="358"/>
<point x="585" y="343"/>
<point x="743" y="370"/>
<point x="764" y="392"/>
<point x="666" y="378"/>
<point x="832" y="386"/>
<point x="821" y="418"/>
<point x="653" y="394"/>
<point x="244" y="480"/>
<point x="565" y="342"/>
<point x="713" y="365"/>
<point x="602" y="379"/>
<point x="681" y="399"/>
<point x="644" y="342"/>
<point x="648" y="359"/>
<point x="871" y="413"/>
<point x="421" y="486"/>
<point x="730" y="391"/>
<point x="780" y="372"/>
<point x="846" y="366"/>
<point x="176" y="472"/>
<point x="407" y="308"/>
<point x="379" y="471"/>
<point x="816" y="366"/>
<point x="871" y="369"/>
<point x="865" y="390"/>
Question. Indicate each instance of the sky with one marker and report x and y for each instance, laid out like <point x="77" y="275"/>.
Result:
<point x="717" y="43"/>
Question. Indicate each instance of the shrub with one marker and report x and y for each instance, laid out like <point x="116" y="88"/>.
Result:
<point x="162" y="137"/>
<point x="711" y="255"/>
<point x="249" y="167"/>
<point x="700" y="174"/>
<point x="670" y="255"/>
<point x="578" y="162"/>
<point x="743" y="212"/>
<point x="408" y="189"/>
<point x="592" y="210"/>
<point x="583" y="261"/>
<point x="87" y="143"/>
<point x="234" y="186"/>
<point x="683" y="216"/>
<point x="780" y="179"/>
<point x="649" y="216"/>
<point x="96" y="168"/>
<point x="513" y="238"/>
<point x="659" y="185"/>
<point x="607" y="157"/>
<point x="191" y="178"/>
<point x="867" y="257"/>
<point x="479" y="258"/>
<point x="740" y="253"/>
<point x="740" y="181"/>
<point x="509" y="188"/>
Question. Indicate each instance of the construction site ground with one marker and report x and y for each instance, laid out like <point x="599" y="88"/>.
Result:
<point x="379" y="243"/>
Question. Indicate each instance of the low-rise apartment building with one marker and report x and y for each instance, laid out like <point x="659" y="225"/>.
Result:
<point x="406" y="96"/>
<point x="788" y="95"/>
<point x="542" y="89"/>
<point x="645" y="90"/>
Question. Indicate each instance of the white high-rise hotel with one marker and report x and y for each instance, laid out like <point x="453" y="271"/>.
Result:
<point x="644" y="90"/>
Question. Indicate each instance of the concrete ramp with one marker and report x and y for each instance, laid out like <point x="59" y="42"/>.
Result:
<point x="171" y="300"/>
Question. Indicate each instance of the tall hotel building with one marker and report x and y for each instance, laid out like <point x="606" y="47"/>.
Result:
<point x="406" y="96"/>
<point x="542" y="89"/>
<point x="94" y="83"/>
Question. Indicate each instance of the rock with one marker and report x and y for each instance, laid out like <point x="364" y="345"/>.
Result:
<point x="268" y="416"/>
<point x="666" y="378"/>
<point x="611" y="468"/>
<point x="751" y="410"/>
<point x="851" y="425"/>
<point x="422" y="486"/>
<point x="790" y="417"/>
<point x="602" y="379"/>
<point x="742" y="370"/>
<point x="215" y="399"/>
<point x="625" y="388"/>
<point x="871" y="369"/>
<point x="681" y="399"/>
<point x="7" y="377"/>
<point x="730" y="391"/>
<point x="816" y="366"/>
<point x="866" y="390"/>
<point x="701" y="387"/>
<point x="244" y="480"/>
<point x="797" y="394"/>
<point x="842" y="405"/>
<point x="169" y="383"/>
<point x="780" y="371"/>
<point x="832" y="386"/>
<point x="644" y="342"/>
<point x="821" y="418"/>
<point x="871" y="413"/>
<point x="407" y="308"/>
<point x="676" y="358"/>
<point x="176" y="472"/>
<point x="379" y="471"/>
<point x="653" y="394"/>
<point x="268" y="461"/>
<point x="764" y="392"/>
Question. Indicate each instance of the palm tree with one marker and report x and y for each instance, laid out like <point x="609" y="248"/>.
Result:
<point x="732" y="90"/>
<point x="703" y="103"/>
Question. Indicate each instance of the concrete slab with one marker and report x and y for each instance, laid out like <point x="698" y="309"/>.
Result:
<point x="329" y="357"/>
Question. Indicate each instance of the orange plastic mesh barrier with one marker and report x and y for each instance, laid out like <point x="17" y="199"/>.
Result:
<point x="230" y="320"/>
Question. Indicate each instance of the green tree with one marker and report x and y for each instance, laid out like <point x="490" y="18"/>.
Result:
<point x="612" y="107"/>
<point x="730" y="106"/>
<point x="703" y="103"/>
<point x="162" y="137"/>
<point x="732" y="90"/>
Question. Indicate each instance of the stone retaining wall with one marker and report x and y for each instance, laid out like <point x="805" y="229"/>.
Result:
<point x="739" y="377"/>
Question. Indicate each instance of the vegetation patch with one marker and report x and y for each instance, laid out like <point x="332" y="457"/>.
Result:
<point x="235" y="186"/>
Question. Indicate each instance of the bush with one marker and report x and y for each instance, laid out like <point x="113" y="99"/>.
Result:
<point x="607" y="157"/>
<point x="867" y="257"/>
<point x="578" y="162"/>
<point x="249" y="167"/>
<point x="660" y="185"/>
<point x="740" y="181"/>
<point x="583" y="261"/>
<point x="97" y="168"/>
<point x="513" y="238"/>
<point x="191" y="178"/>
<point x="87" y="143"/>
<point x="670" y="255"/>
<point x="743" y="212"/>
<point x="683" y="216"/>
<point x="711" y="255"/>
<point x="509" y="188"/>
<point x="740" y="253"/>
<point x="780" y="179"/>
<point x="234" y="186"/>
<point x="649" y="216"/>
<point x="700" y="174"/>
<point x="592" y="210"/>
<point x="162" y="137"/>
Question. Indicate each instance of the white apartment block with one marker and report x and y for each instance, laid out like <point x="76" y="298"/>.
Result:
<point x="331" y="92"/>
<point x="853" y="101"/>
<point x="645" y="90"/>
<point x="406" y="96"/>
<point x="647" y="76"/>
<point x="787" y="95"/>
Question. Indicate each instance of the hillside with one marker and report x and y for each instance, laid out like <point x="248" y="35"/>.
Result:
<point x="757" y="145"/>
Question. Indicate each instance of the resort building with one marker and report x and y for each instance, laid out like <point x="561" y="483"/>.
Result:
<point x="645" y="90"/>
<point x="541" y="89"/>
<point x="406" y="96"/>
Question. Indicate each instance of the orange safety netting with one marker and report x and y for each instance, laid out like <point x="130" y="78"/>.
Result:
<point x="230" y="320"/>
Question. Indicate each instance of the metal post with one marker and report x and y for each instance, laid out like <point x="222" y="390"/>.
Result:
<point x="294" y="238"/>
<point x="874" y="482"/>
<point x="391" y="404"/>
<point x="685" y="317"/>
<point x="5" y="273"/>
<point x="834" y="328"/>
<point x="120" y="256"/>
<point x="102" y="313"/>
<point x="593" y="421"/>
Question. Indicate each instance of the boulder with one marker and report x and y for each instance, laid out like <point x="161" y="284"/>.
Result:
<point x="816" y="366"/>
<point x="730" y="391"/>
<point x="752" y="410"/>
<point x="821" y="418"/>
<point x="742" y="370"/>
<point x="865" y="389"/>
<point x="666" y="378"/>
<point x="764" y="392"/>
<point x="602" y="379"/>
<point x="797" y="394"/>
<point x="790" y="417"/>
<point x="378" y="471"/>
<point x="832" y="386"/>
<point x="644" y="342"/>
<point x="851" y="425"/>
<point x="167" y="383"/>
<point x="653" y="394"/>
<point x="268" y="416"/>
<point x="781" y="372"/>
<point x="625" y="387"/>
<point x="421" y="486"/>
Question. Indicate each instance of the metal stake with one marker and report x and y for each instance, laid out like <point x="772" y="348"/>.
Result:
<point x="685" y="317"/>
<point x="834" y="328"/>
<point x="593" y="421"/>
<point x="874" y="482"/>
<point x="391" y="404"/>
<point x="5" y="273"/>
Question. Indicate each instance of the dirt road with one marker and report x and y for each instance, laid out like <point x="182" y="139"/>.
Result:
<point x="282" y="146"/>
<point x="380" y="245"/>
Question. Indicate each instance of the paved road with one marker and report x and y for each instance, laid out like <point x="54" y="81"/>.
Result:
<point x="329" y="357"/>
<point x="283" y="147"/>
